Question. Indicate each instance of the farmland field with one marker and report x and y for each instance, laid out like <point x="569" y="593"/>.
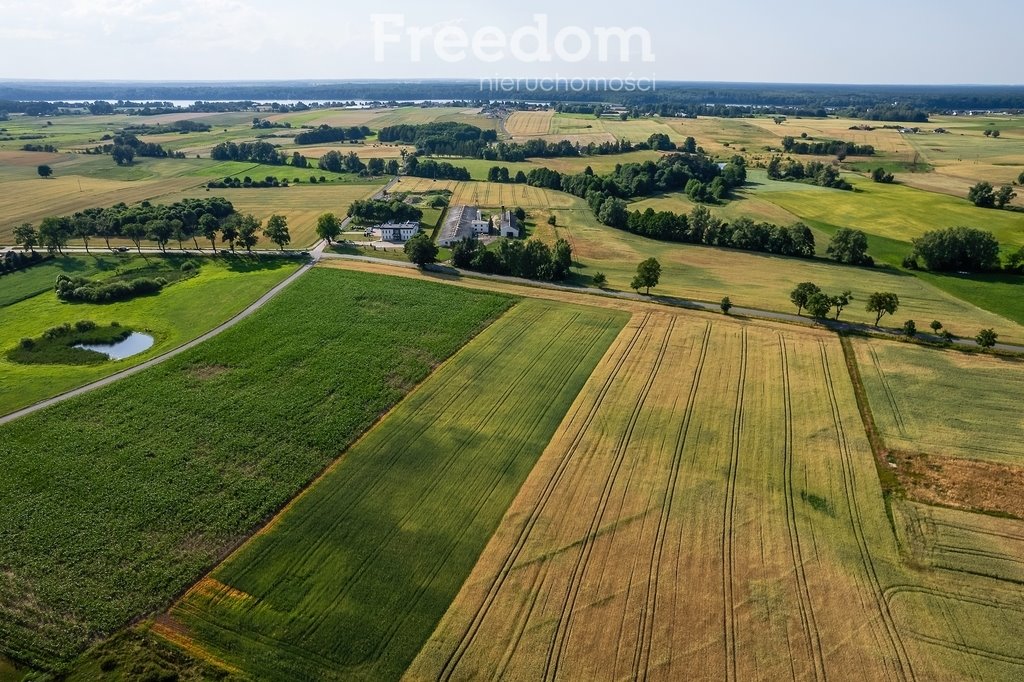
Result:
<point x="350" y="580"/>
<point x="686" y="523"/>
<point x="179" y="313"/>
<point x="944" y="402"/>
<point x="117" y="500"/>
<point x="756" y="280"/>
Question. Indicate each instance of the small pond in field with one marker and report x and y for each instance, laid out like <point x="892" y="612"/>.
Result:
<point x="133" y="344"/>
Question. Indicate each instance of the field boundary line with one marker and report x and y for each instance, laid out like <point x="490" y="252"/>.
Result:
<point x="728" y="519"/>
<point x="904" y="667"/>
<point x="163" y="357"/>
<point x="476" y="622"/>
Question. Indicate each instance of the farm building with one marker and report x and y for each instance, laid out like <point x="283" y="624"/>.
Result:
<point x="509" y="225"/>
<point x="398" y="232"/>
<point x="462" y="222"/>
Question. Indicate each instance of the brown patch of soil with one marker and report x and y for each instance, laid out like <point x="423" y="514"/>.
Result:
<point x="205" y="372"/>
<point x="972" y="485"/>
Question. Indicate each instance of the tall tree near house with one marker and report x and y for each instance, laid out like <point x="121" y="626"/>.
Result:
<point x="328" y="226"/>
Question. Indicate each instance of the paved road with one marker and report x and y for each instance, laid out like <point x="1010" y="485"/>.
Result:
<point x="737" y="311"/>
<point x="171" y="353"/>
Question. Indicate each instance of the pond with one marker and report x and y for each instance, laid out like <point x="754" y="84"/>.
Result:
<point x="133" y="344"/>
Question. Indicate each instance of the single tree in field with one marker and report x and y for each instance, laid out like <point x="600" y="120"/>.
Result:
<point x="54" y="233"/>
<point x="725" y="305"/>
<point x="421" y="249"/>
<point x="850" y="247"/>
<point x="1003" y="196"/>
<point x="552" y="221"/>
<point x="277" y="231"/>
<point x="986" y="338"/>
<point x="982" y="195"/>
<point x="841" y="301"/>
<point x="26" y="237"/>
<point x="936" y="326"/>
<point x="84" y="228"/>
<point x="819" y="304"/>
<point x="208" y="226"/>
<point x="44" y="171"/>
<point x="136" y="232"/>
<point x="882" y="303"/>
<point x="802" y="293"/>
<point x="910" y="329"/>
<point x="229" y="231"/>
<point x="248" y="229"/>
<point x="599" y="280"/>
<point x="328" y="227"/>
<point x="648" y="274"/>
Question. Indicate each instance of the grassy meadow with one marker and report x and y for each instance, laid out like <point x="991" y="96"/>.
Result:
<point x="350" y="580"/>
<point x="118" y="500"/>
<point x="179" y="313"/>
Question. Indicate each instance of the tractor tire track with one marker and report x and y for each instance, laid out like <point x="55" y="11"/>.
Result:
<point x="904" y="667"/>
<point x="561" y="635"/>
<point x="645" y="629"/>
<point x="728" y="519"/>
<point x="806" y="607"/>
<point x="469" y="633"/>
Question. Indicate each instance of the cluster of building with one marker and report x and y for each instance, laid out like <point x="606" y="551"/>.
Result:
<point x="462" y="222"/>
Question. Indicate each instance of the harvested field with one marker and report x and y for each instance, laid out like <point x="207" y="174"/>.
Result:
<point x="529" y="123"/>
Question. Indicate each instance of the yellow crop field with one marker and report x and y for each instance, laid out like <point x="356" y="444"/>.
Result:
<point x="709" y="509"/>
<point x="943" y="402"/>
<point x="529" y="123"/>
<point x="32" y="200"/>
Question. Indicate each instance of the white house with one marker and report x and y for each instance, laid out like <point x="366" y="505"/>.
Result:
<point x="509" y="226"/>
<point x="398" y="232"/>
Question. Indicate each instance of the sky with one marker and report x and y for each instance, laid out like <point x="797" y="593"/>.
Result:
<point x="786" y="41"/>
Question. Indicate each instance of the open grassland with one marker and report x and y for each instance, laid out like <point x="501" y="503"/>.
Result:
<point x="351" y="579"/>
<point x="116" y="501"/>
<point x="709" y="509"/>
<point x="944" y="402"/>
<point x="894" y="211"/>
<point x="746" y="204"/>
<point x="179" y="313"/>
<point x="17" y="286"/>
<point x="478" y="168"/>
<point x="756" y="280"/>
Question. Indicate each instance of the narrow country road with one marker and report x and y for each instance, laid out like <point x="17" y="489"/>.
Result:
<point x="106" y="381"/>
<point x="753" y="313"/>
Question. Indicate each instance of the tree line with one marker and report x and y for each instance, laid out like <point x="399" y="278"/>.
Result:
<point x="836" y="148"/>
<point x="326" y="133"/>
<point x="530" y="259"/>
<point x="381" y="211"/>
<point x="813" y="172"/>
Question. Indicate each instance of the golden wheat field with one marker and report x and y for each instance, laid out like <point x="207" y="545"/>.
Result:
<point x="709" y="510"/>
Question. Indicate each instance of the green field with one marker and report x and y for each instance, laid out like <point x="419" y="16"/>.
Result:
<point x="351" y="579"/>
<point x="179" y="313"/>
<point x="944" y="402"/>
<point x="164" y="471"/>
